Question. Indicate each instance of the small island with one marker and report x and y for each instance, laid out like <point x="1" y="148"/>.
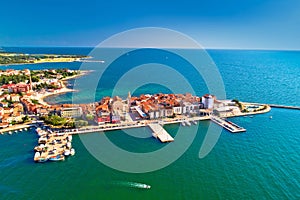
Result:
<point x="7" y="58"/>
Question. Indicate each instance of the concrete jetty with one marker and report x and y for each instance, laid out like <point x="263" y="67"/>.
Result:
<point x="160" y="133"/>
<point x="283" y="106"/>
<point x="228" y="125"/>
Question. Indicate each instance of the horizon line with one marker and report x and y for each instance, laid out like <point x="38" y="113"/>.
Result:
<point x="205" y="48"/>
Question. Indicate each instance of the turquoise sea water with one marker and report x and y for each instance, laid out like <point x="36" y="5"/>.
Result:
<point x="262" y="163"/>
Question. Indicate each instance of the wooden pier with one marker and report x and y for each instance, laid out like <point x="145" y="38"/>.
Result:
<point x="160" y="133"/>
<point x="228" y="125"/>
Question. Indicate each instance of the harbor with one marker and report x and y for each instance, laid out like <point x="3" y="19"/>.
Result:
<point x="52" y="146"/>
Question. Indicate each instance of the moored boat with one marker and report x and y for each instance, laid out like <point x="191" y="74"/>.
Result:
<point x="39" y="158"/>
<point x="69" y="145"/>
<point x="58" y="157"/>
<point x="69" y="138"/>
<point x="72" y="152"/>
<point x="67" y="152"/>
<point x="42" y="140"/>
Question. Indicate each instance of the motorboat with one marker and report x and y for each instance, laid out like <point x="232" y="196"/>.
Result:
<point x="72" y="152"/>
<point x="39" y="148"/>
<point x="58" y="157"/>
<point x="39" y="158"/>
<point x="42" y="140"/>
<point x="67" y="152"/>
<point x="69" y="145"/>
<point x="188" y="123"/>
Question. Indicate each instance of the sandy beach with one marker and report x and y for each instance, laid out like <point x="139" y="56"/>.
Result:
<point x="41" y="96"/>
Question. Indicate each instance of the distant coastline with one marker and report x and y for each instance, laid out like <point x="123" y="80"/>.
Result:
<point x="7" y="58"/>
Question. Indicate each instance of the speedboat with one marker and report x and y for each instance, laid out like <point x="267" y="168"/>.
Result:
<point x="146" y="186"/>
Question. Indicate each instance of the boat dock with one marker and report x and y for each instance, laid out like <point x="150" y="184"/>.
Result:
<point x="228" y="125"/>
<point x="160" y="133"/>
<point x="52" y="146"/>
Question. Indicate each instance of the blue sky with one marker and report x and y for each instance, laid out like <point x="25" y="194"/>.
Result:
<point x="258" y="24"/>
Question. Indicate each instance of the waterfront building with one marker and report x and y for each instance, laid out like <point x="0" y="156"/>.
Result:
<point x="177" y="110"/>
<point x="73" y="112"/>
<point x="208" y="101"/>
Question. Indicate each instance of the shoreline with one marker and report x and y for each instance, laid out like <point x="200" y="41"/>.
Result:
<point x="63" y="90"/>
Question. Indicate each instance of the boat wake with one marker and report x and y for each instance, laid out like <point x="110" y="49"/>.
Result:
<point x="132" y="185"/>
<point x="6" y="189"/>
<point x="13" y="160"/>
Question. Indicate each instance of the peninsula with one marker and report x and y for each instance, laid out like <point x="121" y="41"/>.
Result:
<point x="7" y="58"/>
<point x="22" y="106"/>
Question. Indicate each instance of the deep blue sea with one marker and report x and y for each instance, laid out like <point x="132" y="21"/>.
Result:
<point x="262" y="163"/>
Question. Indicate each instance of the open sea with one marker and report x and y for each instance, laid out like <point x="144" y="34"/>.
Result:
<point x="262" y="163"/>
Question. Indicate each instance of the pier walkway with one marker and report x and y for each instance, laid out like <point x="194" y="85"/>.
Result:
<point x="228" y="125"/>
<point x="160" y="133"/>
<point x="283" y="106"/>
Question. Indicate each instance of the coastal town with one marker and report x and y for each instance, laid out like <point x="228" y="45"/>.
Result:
<point x="22" y="106"/>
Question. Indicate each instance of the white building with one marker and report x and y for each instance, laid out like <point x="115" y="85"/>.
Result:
<point x="208" y="101"/>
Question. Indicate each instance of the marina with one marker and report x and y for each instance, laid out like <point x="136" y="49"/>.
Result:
<point x="52" y="146"/>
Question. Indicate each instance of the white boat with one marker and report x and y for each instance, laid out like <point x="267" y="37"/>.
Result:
<point x="146" y="186"/>
<point x="67" y="152"/>
<point x="38" y="158"/>
<point x="37" y="130"/>
<point x="42" y="140"/>
<point x="188" y="123"/>
<point x="40" y="147"/>
<point x="69" y="138"/>
<point x="271" y="117"/>
<point x="69" y="145"/>
<point x="140" y="185"/>
<point x="182" y="123"/>
<point x="72" y="152"/>
<point x="194" y="122"/>
<point x="9" y="132"/>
